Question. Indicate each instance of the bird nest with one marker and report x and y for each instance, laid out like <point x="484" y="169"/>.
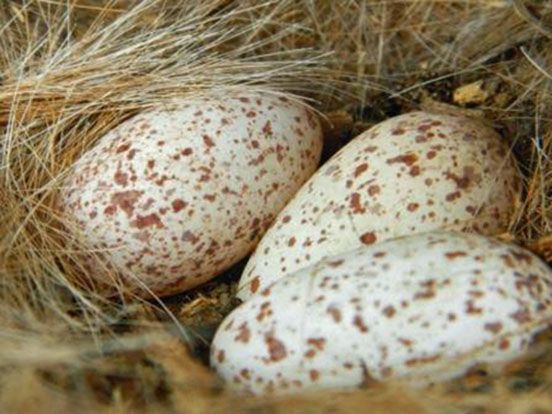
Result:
<point x="72" y="70"/>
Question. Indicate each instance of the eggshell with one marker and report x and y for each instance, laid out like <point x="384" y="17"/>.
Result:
<point x="176" y="195"/>
<point x="409" y="174"/>
<point x="418" y="309"/>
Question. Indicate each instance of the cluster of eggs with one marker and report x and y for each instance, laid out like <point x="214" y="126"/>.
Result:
<point x="377" y="266"/>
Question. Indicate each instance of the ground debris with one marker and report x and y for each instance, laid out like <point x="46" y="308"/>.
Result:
<point x="472" y="93"/>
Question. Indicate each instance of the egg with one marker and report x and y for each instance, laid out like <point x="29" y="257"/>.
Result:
<point x="409" y="174"/>
<point x="418" y="309"/>
<point x="176" y="195"/>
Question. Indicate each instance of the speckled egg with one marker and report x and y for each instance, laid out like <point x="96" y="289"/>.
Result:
<point x="419" y="309"/>
<point x="176" y="195"/>
<point x="413" y="173"/>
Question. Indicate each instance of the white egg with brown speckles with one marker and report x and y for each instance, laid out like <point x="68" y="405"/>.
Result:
<point x="413" y="173"/>
<point x="176" y="195"/>
<point x="419" y="309"/>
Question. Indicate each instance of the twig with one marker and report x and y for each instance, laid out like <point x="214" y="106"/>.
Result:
<point x="525" y="14"/>
<point x="535" y="63"/>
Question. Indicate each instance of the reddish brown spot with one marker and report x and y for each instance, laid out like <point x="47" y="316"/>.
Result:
<point x="276" y="349"/>
<point x="504" y="344"/>
<point x="208" y="141"/>
<point x="405" y="342"/>
<point x="424" y="127"/>
<point x="244" y="334"/>
<point x="220" y="356"/>
<point x="143" y="236"/>
<point x="161" y="180"/>
<point x="257" y="160"/>
<point x="398" y="131"/>
<point x="521" y="316"/>
<point x="414" y="171"/>
<point x="310" y="353"/>
<point x="465" y="180"/>
<point x="356" y="205"/>
<point x="210" y="197"/>
<point x="476" y="293"/>
<point x="368" y="238"/>
<point x="255" y="283"/>
<point x="389" y="311"/>
<point x="187" y="151"/>
<point x="373" y="190"/>
<point x="264" y="311"/>
<point x="151" y="164"/>
<point x="121" y="178"/>
<point x="413" y="206"/>
<point x="522" y="257"/>
<point x="335" y="263"/>
<point x="188" y="236"/>
<point x="150" y="220"/>
<point x="126" y="200"/>
<point x="453" y="196"/>
<point x="178" y="205"/>
<point x="267" y="128"/>
<point x="245" y="374"/>
<point x="472" y="309"/>
<point x="314" y="375"/>
<point x="422" y="360"/>
<point x="318" y="343"/>
<point x="495" y="327"/>
<point x="359" y="323"/>
<point x="110" y="210"/>
<point x="508" y="261"/>
<point x="360" y="169"/>
<point x="291" y="241"/>
<point x="455" y="254"/>
<point x="431" y="154"/>
<point x="335" y="313"/>
<point x="408" y="159"/>
<point x="122" y="148"/>
<point x="255" y="144"/>
<point x="428" y="291"/>
<point x="286" y="219"/>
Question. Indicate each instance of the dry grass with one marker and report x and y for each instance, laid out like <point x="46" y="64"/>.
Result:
<point x="71" y="70"/>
